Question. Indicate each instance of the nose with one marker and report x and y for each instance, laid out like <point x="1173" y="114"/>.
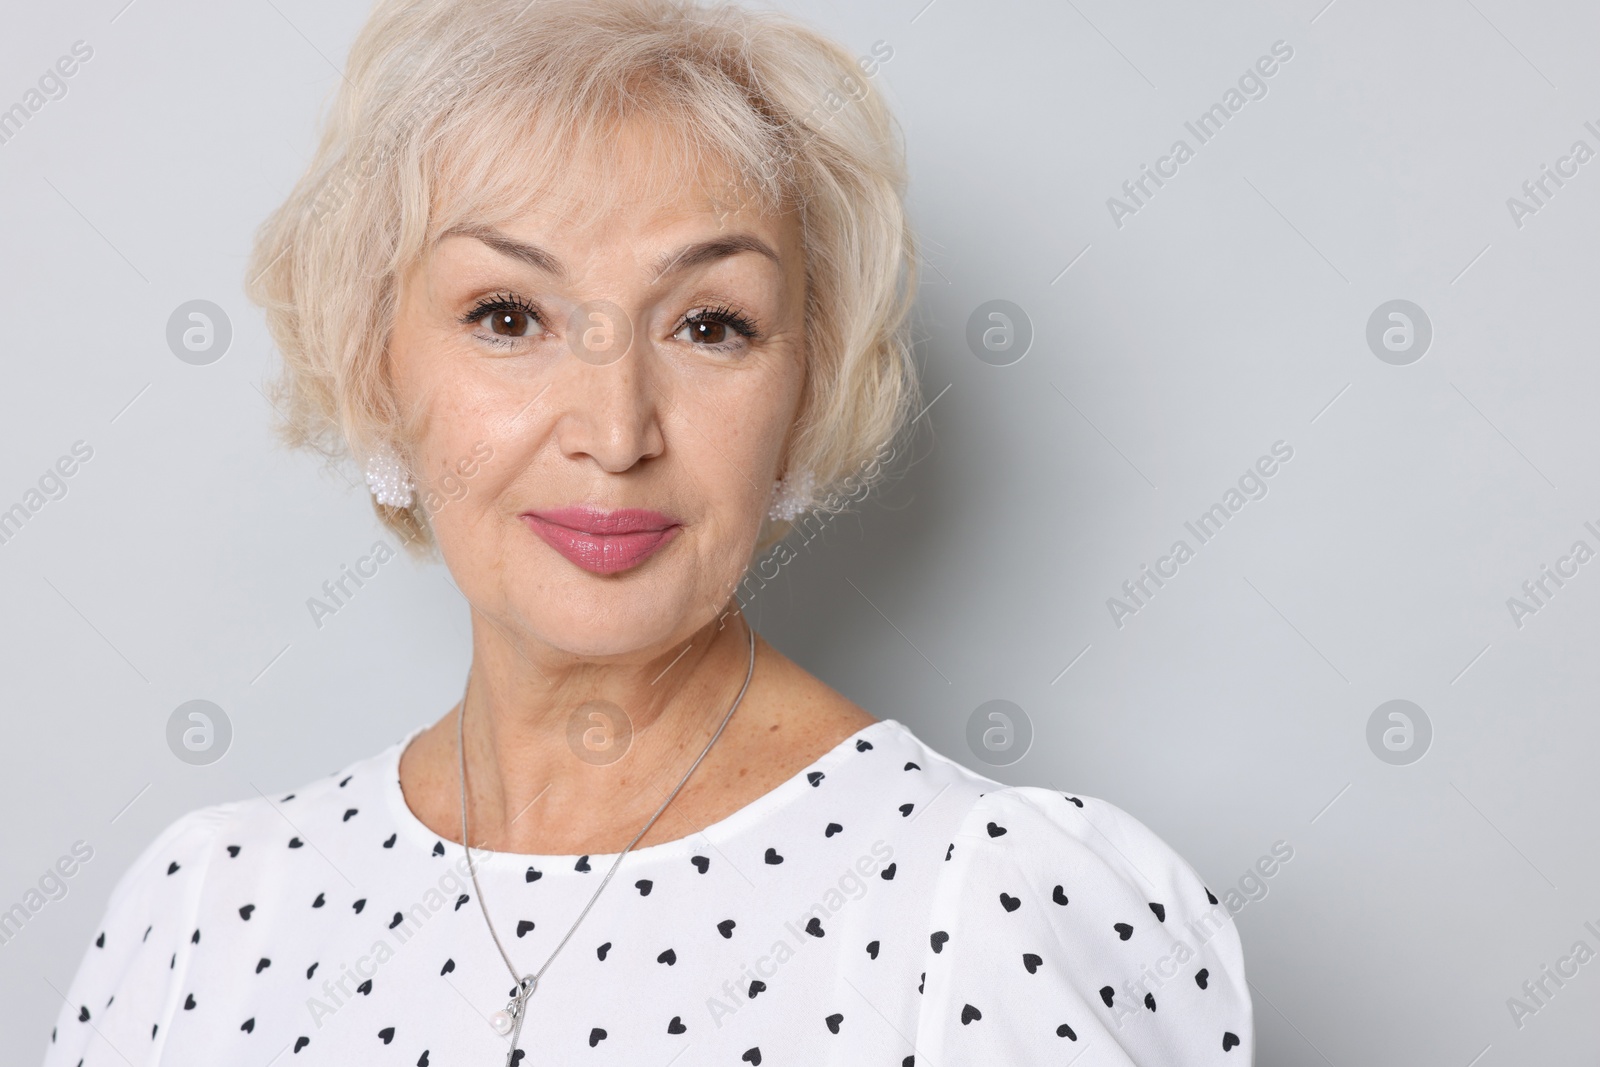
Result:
<point x="610" y="406"/>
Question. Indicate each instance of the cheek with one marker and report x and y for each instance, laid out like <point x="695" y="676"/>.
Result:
<point x="730" y="447"/>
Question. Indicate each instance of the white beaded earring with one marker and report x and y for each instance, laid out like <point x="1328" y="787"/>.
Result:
<point x="388" y="478"/>
<point x="791" y="495"/>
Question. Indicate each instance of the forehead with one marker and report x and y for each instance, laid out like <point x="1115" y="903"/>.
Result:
<point x="639" y="179"/>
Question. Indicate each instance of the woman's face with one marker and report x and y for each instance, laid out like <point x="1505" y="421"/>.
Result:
<point x="516" y="343"/>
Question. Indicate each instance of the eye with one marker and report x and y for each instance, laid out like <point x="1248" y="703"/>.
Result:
<point x="710" y="331"/>
<point x="721" y="329"/>
<point x="506" y="317"/>
<point x="509" y="323"/>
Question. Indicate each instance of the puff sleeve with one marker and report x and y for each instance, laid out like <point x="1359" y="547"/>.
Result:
<point x="130" y="980"/>
<point x="1062" y="927"/>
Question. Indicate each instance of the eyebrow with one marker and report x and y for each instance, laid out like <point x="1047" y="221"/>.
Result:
<point x="532" y="255"/>
<point x="685" y="258"/>
<point x="702" y="252"/>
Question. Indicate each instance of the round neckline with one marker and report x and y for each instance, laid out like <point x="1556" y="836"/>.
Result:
<point x="724" y="829"/>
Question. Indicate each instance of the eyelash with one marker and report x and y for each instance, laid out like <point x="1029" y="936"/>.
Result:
<point x="735" y="320"/>
<point x="501" y="302"/>
<point x="506" y="301"/>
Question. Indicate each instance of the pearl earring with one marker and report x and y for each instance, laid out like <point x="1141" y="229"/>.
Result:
<point x="791" y="495"/>
<point x="388" y="478"/>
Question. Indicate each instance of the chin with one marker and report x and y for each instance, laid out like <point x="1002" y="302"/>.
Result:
<point x="602" y="617"/>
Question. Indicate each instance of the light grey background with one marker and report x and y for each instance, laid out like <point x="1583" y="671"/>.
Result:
<point x="1229" y="313"/>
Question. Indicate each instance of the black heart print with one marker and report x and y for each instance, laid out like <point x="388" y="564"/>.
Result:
<point x="984" y="962"/>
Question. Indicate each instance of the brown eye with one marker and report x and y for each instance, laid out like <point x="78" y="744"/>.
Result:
<point x="508" y="322"/>
<point x="720" y="329"/>
<point x="709" y="331"/>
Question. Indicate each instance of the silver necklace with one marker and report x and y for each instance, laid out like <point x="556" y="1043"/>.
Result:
<point x="508" y="1022"/>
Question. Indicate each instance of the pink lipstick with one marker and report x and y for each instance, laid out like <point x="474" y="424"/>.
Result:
<point x="603" y="542"/>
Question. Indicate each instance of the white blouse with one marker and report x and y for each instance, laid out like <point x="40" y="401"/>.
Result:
<point x="884" y="906"/>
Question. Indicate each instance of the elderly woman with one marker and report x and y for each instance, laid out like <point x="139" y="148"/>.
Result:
<point x="602" y="296"/>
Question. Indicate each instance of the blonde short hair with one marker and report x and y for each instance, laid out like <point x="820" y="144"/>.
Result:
<point x="448" y="106"/>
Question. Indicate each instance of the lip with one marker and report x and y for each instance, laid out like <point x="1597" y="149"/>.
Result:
<point x="603" y="542"/>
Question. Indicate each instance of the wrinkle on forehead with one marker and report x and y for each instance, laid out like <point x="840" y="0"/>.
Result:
<point x="555" y="171"/>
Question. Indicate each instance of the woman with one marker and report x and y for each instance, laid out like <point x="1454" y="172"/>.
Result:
<point x="603" y="296"/>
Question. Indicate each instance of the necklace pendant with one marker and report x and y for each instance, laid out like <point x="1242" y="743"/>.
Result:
<point x="509" y="1018"/>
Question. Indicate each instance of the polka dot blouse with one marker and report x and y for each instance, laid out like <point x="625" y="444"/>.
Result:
<point x="884" y="906"/>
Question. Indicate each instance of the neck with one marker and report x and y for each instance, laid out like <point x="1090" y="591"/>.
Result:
<point x="575" y="756"/>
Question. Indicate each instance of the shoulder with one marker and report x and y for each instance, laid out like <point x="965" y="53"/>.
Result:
<point x="1038" y="829"/>
<point x="129" y="980"/>
<point x="1061" y="920"/>
<point x="121" y="992"/>
<point x="282" y="819"/>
